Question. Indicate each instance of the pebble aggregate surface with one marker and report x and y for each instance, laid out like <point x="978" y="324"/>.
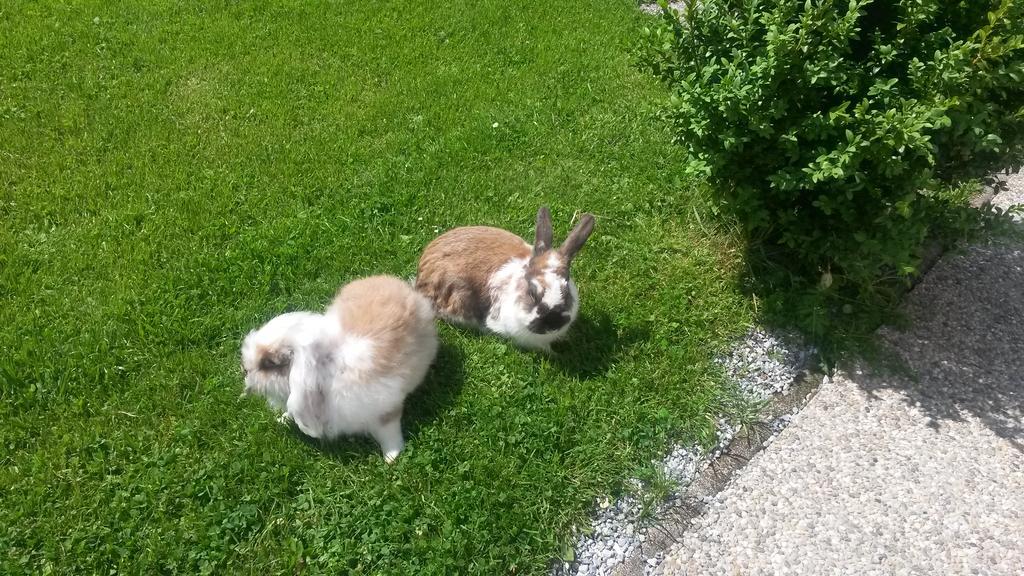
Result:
<point x="865" y="486"/>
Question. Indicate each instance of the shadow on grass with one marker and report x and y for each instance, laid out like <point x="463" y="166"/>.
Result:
<point x="594" y="344"/>
<point x="437" y="393"/>
<point x="839" y="316"/>
<point x="837" y="322"/>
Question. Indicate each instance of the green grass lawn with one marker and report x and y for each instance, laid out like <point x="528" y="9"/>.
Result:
<point x="172" y="176"/>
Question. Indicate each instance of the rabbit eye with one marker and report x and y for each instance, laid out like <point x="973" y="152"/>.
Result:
<point x="534" y="292"/>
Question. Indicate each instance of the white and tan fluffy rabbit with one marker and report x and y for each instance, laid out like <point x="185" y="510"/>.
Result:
<point x="348" y="370"/>
<point x="492" y="279"/>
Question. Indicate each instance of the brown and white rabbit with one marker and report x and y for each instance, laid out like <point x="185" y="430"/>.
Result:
<point x="348" y="370"/>
<point x="492" y="279"/>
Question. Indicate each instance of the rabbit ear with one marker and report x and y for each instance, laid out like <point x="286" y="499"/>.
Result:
<point x="578" y="237"/>
<point x="545" y="235"/>
<point x="276" y="358"/>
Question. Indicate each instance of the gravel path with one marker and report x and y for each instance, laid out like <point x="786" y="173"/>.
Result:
<point x="866" y="486"/>
<point x="916" y="470"/>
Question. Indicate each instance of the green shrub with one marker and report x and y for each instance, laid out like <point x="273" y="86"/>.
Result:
<point x="826" y="128"/>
